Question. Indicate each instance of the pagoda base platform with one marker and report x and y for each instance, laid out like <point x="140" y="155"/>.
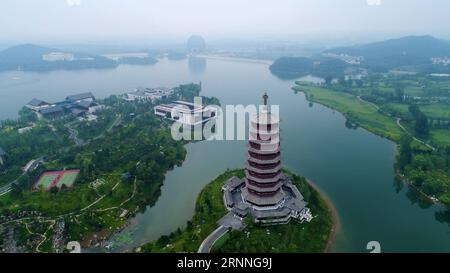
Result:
<point x="288" y="204"/>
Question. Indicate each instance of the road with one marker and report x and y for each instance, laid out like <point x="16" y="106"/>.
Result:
<point x="207" y="244"/>
<point x="8" y="187"/>
<point x="73" y="134"/>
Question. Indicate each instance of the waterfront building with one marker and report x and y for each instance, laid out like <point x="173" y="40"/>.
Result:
<point x="88" y="96"/>
<point x="82" y="106"/>
<point x="51" y="112"/>
<point x="152" y="94"/>
<point x="265" y="193"/>
<point x="36" y="104"/>
<point x="186" y="112"/>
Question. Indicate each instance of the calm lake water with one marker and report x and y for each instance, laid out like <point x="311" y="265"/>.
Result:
<point x="353" y="167"/>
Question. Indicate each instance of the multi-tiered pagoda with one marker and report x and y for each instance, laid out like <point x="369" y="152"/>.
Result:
<point x="263" y="170"/>
<point x="266" y="193"/>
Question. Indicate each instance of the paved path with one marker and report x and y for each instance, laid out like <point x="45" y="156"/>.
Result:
<point x="207" y="244"/>
<point x="73" y="134"/>
<point x="415" y="138"/>
<point x="400" y="125"/>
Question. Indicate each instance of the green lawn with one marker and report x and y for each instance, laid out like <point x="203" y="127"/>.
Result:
<point x="433" y="111"/>
<point x="399" y="108"/>
<point x="437" y="111"/>
<point x="365" y="114"/>
<point x="441" y="137"/>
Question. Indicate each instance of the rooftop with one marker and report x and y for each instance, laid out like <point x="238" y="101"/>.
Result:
<point x="37" y="102"/>
<point x="51" y="110"/>
<point x="182" y="106"/>
<point x="86" y="104"/>
<point x="82" y="96"/>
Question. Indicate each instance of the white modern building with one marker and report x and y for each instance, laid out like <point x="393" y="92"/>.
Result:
<point x="186" y="112"/>
<point x="145" y="94"/>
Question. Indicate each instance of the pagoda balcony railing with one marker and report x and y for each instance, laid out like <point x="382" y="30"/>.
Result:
<point x="255" y="184"/>
<point x="263" y="194"/>
<point x="263" y="146"/>
<point x="263" y="132"/>
<point x="273" y="139"/>
<point x="260" y="156"/>
<point x="265" y="150"/>
<point x="263" y="175"/>
<point x="254" y="145"/>
<point x="263" y="166"/>
<point x="274" y="160"/>
<point x="262" y="178"/>
<point x="274" y="169"/>
<point x="273" y="188"/>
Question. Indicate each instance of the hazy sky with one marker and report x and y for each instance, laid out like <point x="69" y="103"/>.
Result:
<point x="170" y="20"/>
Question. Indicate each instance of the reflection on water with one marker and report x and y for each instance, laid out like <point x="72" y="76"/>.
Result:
<point x="443" y="216"/>
<point x="398" y="184"/>
<point x="418" y="198"/>
<point x="197" y="66"/>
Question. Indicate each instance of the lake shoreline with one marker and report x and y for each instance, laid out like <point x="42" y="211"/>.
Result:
<point x="336" y="227"/>
<point x="397" y="172"/>
<point x="234" y="59"/>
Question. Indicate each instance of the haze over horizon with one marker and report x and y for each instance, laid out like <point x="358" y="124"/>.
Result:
<point x="82" y="21"/>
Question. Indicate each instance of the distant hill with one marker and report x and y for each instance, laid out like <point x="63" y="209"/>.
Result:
<point x="294" y="67"/>
<point x="174" y="55"/>
<point x="287" y="67"/>
<point x="138" y="60"/>
<point x="29" y="57"/>
<point x="406" y="51"/>
<point x="414" y="53"/>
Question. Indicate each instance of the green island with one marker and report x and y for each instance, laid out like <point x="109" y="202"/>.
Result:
<point x="122" y="158"/>
<point x="411" y="110"/>
<point x="311" y="237"/>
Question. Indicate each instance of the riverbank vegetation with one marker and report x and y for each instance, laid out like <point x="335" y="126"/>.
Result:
<point x="123" y="161"/>
<point x="293" y="237"/>
<point x="412" y="110"/>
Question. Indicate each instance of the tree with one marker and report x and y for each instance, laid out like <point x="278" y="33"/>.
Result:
<point x="405" y="154"/>
<point x="16" y="191"/>
<point x="422" y="127"/>
<point x="54" y="190"/>
<point x="414" y="110"/>
<point x="328" y="80"/>
<point x="400" y="94"/>
<point x="342" y="81"/>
